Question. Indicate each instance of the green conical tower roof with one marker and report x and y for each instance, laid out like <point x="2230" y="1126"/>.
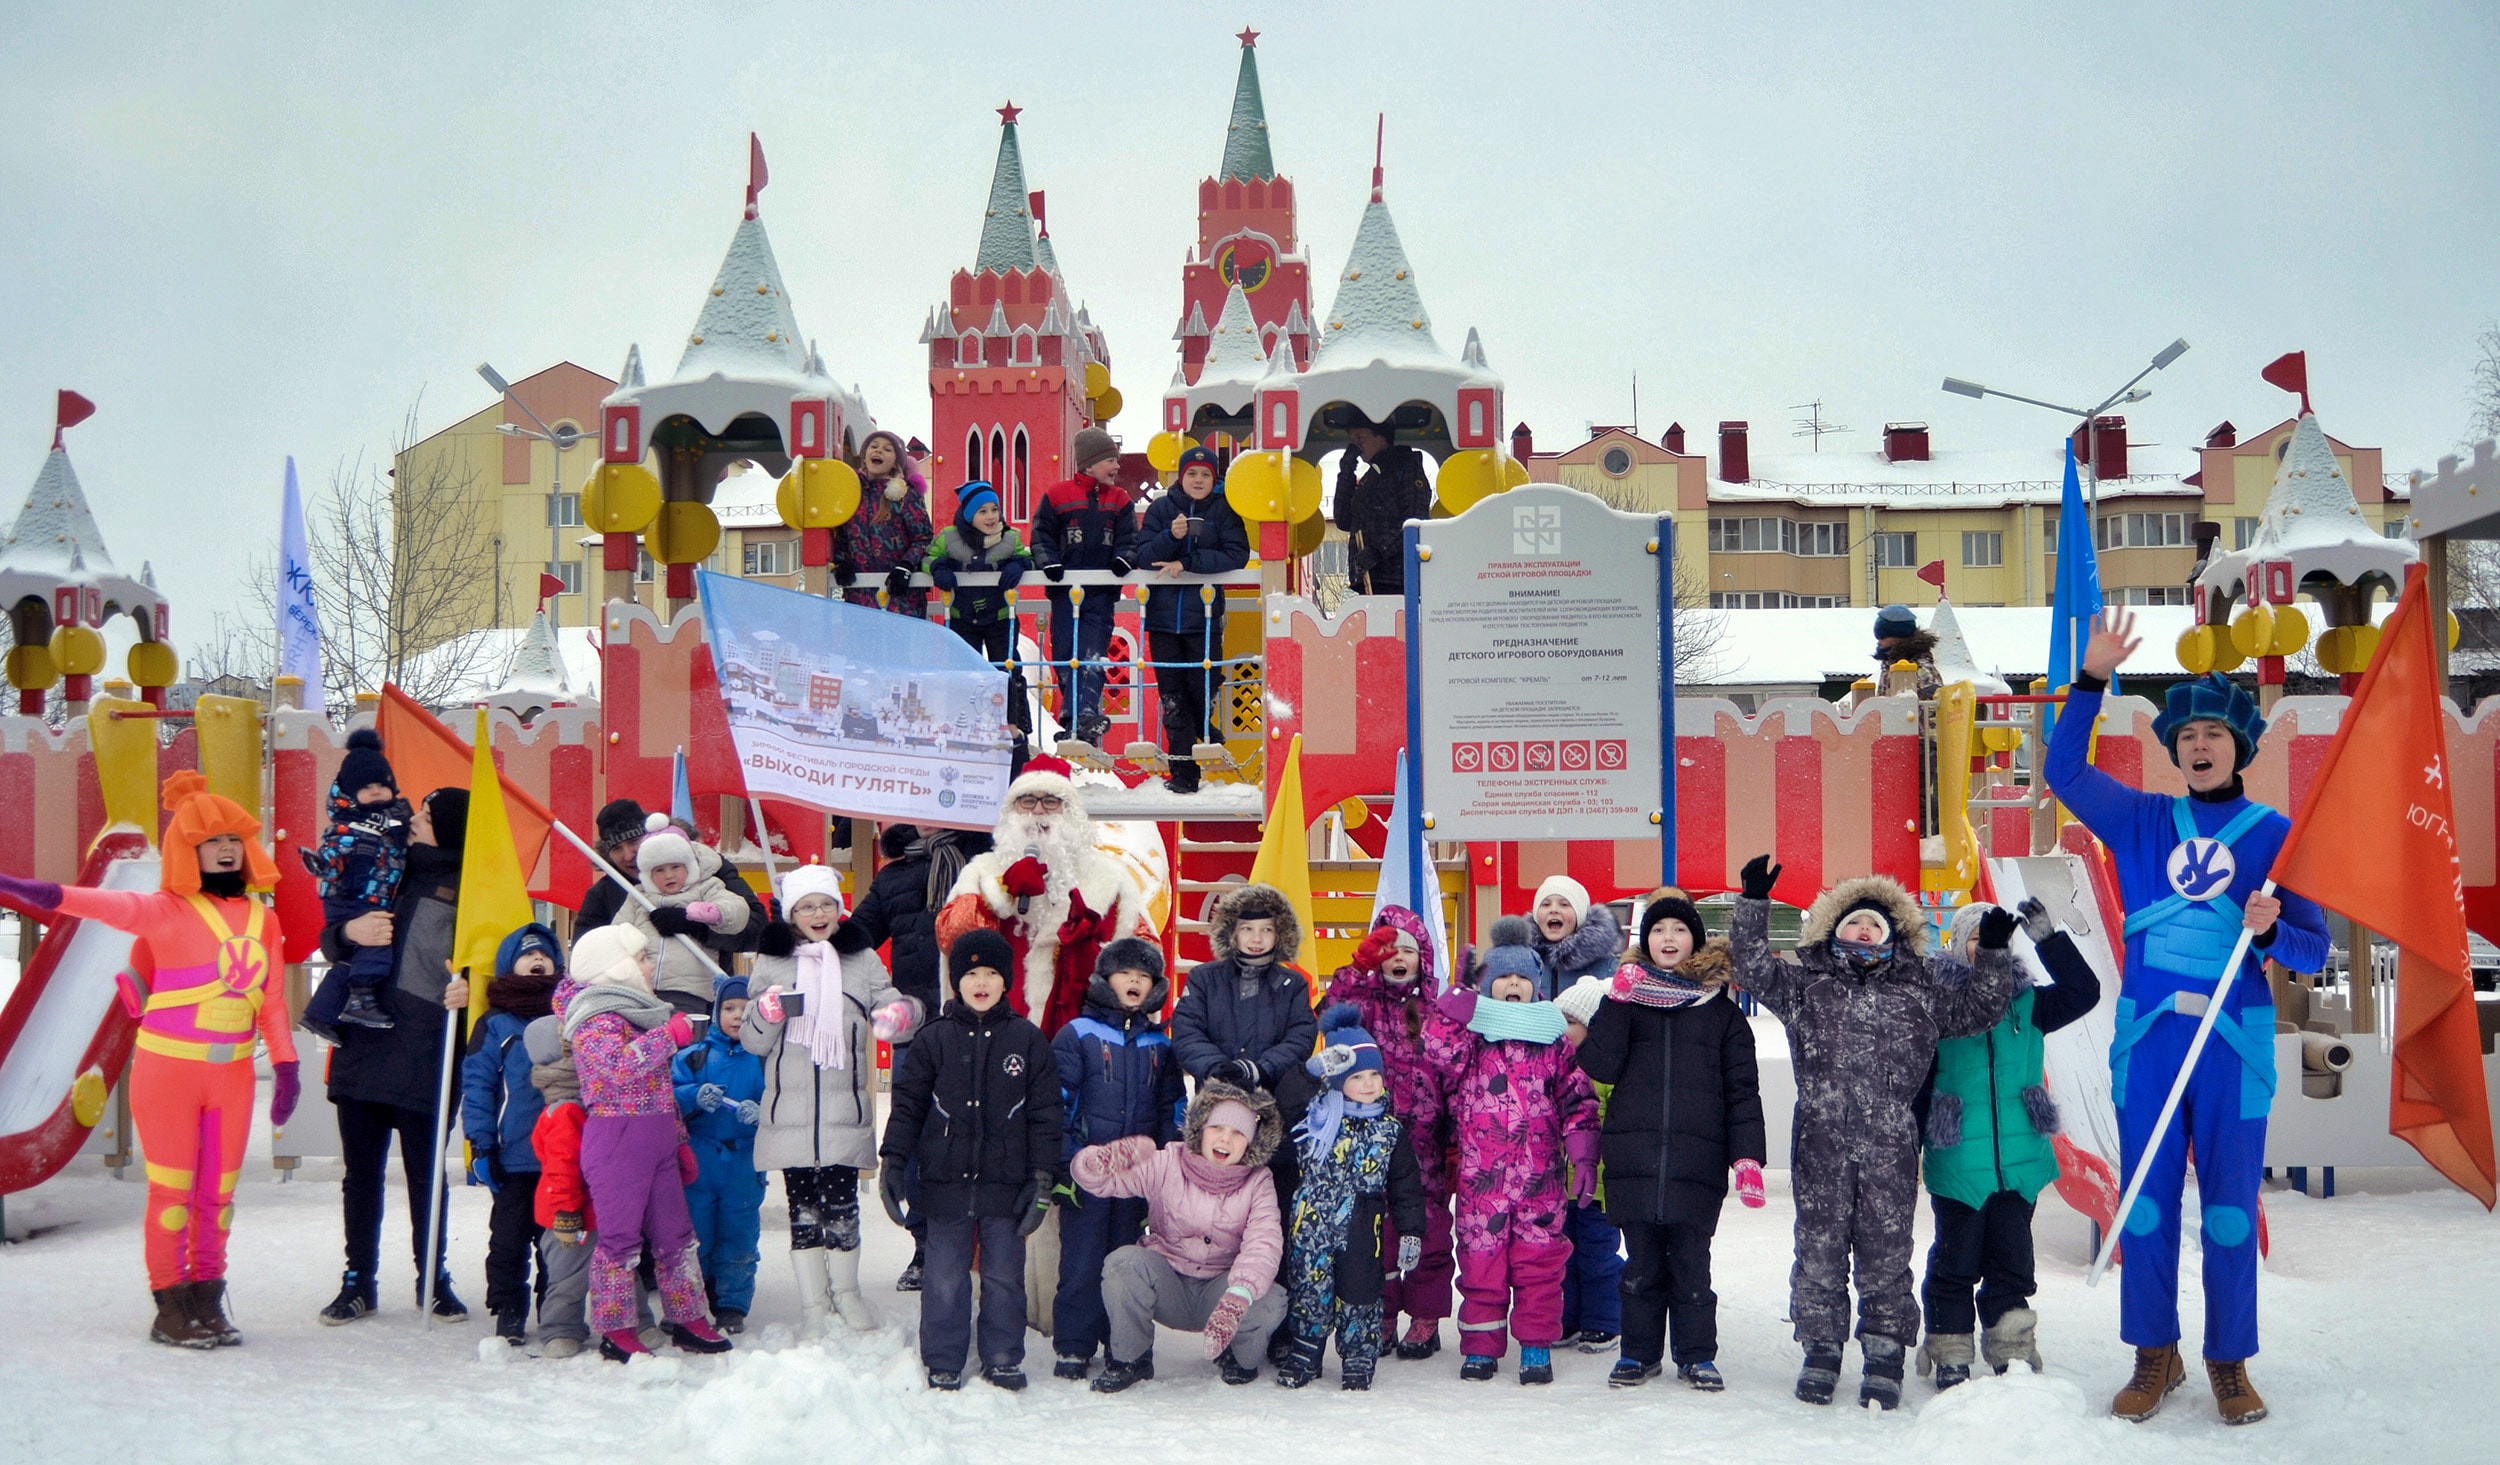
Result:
<point x="1245" y="137"/>
<point x="1007" y="228"/>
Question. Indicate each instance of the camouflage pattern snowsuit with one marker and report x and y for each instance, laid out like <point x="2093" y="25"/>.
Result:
<point x="1862" y="1045"/>
<point x="1395" y="1016"/>
<point x="1512" y="1107"/>
<point x="1342" y="1245"/>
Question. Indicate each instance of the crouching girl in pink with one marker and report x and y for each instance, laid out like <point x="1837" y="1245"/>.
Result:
<point x="634" y="1158"/>
<point x="1518" y="1105"/>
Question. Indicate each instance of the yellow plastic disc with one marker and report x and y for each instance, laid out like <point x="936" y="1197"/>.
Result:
<point x="1106" y="404"/>
<point x="623" y="498"/>
<point x="2291" y="631"/>
<point x="1164" y="450"/>
<point x="685" y="533"/>
<point x="817" y="493"/>
<point x="2196" y="650"/>
<point x="78" y="649"/>
<point x="1097" y="378"/>
<point x="1256" y="486"/>
<point x="153" y="664"/>
<point x="2252" y="630"/>
<point x="31" y="668"/>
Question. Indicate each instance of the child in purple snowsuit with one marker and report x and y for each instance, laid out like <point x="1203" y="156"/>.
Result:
<point x="1518" y="1105"/>
<point x="1390" y="981"/>
<point x="635" y="1159"/>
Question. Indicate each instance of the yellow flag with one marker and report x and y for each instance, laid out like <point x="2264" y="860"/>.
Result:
<point x="494" y="900"/>
<point x="1285" y="848"/>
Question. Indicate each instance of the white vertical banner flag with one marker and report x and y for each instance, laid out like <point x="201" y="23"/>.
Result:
<point x="299" y="622"/>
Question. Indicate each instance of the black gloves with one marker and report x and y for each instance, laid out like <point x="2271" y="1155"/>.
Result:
<point x="1759" y="875"/>
<point x="1033" y="1203"/>
<point x="2036" y="921"/>
<point x="1054" y="573"/>
<point x="943" y="572"/>
<point x="1239" y="1072"/>
<point x="843" y="575"/>
<point x="668" y="920"/>
<point x="897" y="580"/>
<point x="1011" y="573"/>
<point x="1996" y="928"/>
<point x="890" y="1187"/>
<point x="1121" y="567"/>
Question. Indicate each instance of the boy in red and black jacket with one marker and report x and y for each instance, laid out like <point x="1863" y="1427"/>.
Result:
<point x="1086" y="523"/>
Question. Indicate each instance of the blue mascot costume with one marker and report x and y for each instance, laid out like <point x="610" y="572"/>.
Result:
<point x="2189" y="871"/>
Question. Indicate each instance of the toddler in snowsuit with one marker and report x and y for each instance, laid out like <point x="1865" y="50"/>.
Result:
<point x="1358" y="1170"/>
<point x="825" y="1002"/>
<point x="1865" y="1005"/>
<point x="1117" y="1078"/>
<point x="1575" y="939"/>
<point x="1518" y="1105"/>
<point x="982" y="539"/>
<point x="1989" y="1153"/>
<point x="634" y="1156"/>
<point x="718" y="1084"/>
<point x="1684" y="1109"/>
<point x="499" y="1108"/>
<point x="359" y="864"/>
<point x="692" y="901"/>
<point x="977" y="1104"/>
<point x="1390" y="983"/>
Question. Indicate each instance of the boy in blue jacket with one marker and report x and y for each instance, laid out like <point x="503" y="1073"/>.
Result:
<point x="1117" y="1077"/>
<point x="1193" y="531"/>
<point x="720" y="1086"/>
<point x="498" y="1109"/>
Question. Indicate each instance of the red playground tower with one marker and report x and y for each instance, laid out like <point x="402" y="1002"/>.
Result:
<point x="1013" y="361"/>
<point x="1246" y="238"/>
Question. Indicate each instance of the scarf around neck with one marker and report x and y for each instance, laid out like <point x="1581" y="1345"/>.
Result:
<point x="1318" y="1130"/>
<point x="557" y="1082"/>
<point x="819" y="1028"/>
<point x="644" y="1010"/>
<point x="1522" y="1022"/>
<point x="1654" y="986"/>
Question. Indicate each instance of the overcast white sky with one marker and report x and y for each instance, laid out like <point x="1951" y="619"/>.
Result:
<point x="264" y="232"/>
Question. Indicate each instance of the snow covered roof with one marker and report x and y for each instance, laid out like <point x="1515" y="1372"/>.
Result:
<point x="537" y="669"/>
<point x="1235" y="360"/>
<point x="2312" y="520"/>
<point x="1952" y="655"/>
<point x="506" y="666"/>
<point x="1007" y="224"/>
<point x="1378" y="315"/>
<point x="1245" y="136"/>
<point x="1949" y="478"/>
<point x="54" y="541"/>
<point x="2005" y="644"/>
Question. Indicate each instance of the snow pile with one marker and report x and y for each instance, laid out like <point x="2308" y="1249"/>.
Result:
<point x="865" y="1392"/>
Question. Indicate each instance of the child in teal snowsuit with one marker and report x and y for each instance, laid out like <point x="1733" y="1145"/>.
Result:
<point x="719" y="1088"/>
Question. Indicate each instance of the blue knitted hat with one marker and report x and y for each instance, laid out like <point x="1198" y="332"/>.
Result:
<point x="1195" y="456"/>
<point x="2211" y="698"/>
<point x="1345" y="1048"/>
<point x="970" y="499"/>
<point x="1510" y="955"/>
<point x="1894" y="622"/>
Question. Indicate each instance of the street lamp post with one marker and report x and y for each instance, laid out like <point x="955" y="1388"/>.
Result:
<point x="2128" y="393"/>
<point x="561" y="439"/>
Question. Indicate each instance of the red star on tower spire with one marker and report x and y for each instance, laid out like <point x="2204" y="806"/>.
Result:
<point x="1247" y="37"/>
<point x="1007" y="115"/>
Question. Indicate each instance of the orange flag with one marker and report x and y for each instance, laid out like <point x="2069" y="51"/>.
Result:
<point x="425" y="756"/>
<point x="2385" y="855"/>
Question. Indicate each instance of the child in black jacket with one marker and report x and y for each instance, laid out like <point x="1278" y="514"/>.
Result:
<point x="977" y="1105"/>
<point x="1686" y="1109"/>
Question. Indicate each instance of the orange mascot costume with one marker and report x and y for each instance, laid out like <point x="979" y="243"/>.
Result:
<point x="205" y="975"/>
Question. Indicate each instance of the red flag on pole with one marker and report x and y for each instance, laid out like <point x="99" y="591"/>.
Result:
<point x="1933" y="573"/>
<point x="2290" y="371"/>
<point x="757" y="174"/>
<point x="2385" y="855"/>
<point x="69" y="410"/>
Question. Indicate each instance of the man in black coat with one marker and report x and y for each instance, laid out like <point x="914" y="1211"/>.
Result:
<point x="1380" y="485"/>
<point x="620" y="835"/>
<point x="389" y="1081"/>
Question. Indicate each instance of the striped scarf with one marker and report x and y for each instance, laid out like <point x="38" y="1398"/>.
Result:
<point x="1660" y="986"/>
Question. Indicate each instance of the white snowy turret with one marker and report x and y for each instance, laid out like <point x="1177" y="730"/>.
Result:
<point x="1378" y="315"/>
<point x="1952" y="656"/>
<point x="1235" y="360"/>
<point x="746" y="325"/>
<point x="537" y="679"/>
<point x="54" y="543"/>
<point x="2312" y="521"/>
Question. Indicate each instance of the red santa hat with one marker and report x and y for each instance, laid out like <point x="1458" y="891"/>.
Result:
<point x="1046" y="774"/>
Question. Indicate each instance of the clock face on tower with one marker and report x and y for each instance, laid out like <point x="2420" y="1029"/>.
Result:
<point x="1246" y="262"/>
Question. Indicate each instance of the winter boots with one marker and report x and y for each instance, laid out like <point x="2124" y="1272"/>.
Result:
<point x="1422" y="1339"/>
<point x="1536" y="1365"/>
<point x="1232" y="1372"/>
<point x="447" y="1304"/>
<point x="842" y="1271"/>
<point x="910" y="1280"/>
<point x="2233" y="1394"/>
<point x="1072" y="1368"/>
<point x="2012" y="1339"/>
<point x="1301" y="1363"/>
<point x="355" y="1300"/>
<point x="1006" y="1376"/>
<point x="1821" y="1374"/>
<point x="1355" y="1376"/>
<point x="1948" y="1356"/>
<point x="513" y="1325"/>
<point x="1631" y="1373"/>
<point x="208" y="1308"/>
<point x="1703" y="1376"/>
<point x="1476" y="1368"/>
<point x="697" y="1337"/>
<point x="809" y="1265"/>
<point x="1880" y="1386"/>
<point x="622" y="1345"/>
<point x="1595" y="1342"/>
<point x="2157" y="1372"/>
<point x="1116" y="1376"/>
<point x="174" y="1325"/>
<point x="365" y="1010"/>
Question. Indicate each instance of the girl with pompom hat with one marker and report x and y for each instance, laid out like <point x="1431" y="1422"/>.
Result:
<point x="206" y="977"/>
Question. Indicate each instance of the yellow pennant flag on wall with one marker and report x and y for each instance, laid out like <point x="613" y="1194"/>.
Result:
<point x="494" y="900"/>
<point x="1285" y="848"/>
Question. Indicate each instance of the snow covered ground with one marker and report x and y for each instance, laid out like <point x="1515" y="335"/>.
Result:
<point x="2378" y="1310"/>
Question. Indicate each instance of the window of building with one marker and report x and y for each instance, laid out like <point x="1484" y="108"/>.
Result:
<point x="645" y="569"/>
<point x="1823" y="540"/>
<point x="2048" y="535"/>
<point x="1983" y="549"/>
<point x="972" y="457"/>
<point x="772" y="557"/>
<point x="1897" y="551"/>
<point x="2150" y="595"/>
<point x="968" y="349"/>
<point x="1769" y="535"/>
<point x="2243" y="532"/>
<point x="1329" y="560"/>
<point x="1617" y="461"/>
<point x="1773" y="600"/>
<point x="1024" y="351"/>
<point x="1023" y="477"/>
<point x="570" y="572"/>
<point x="2396" y="528"/>
<point x="1017" y="510"/>
<point x="564" y="510"/>
<point x="2144" y="531"/>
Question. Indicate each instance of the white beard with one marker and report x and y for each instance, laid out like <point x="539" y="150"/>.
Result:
<point x="1064" y="843"/>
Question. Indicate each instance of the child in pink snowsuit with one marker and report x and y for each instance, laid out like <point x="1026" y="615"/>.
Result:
<point x="1391" y="981"/>
<point x="634" y="1159"/>
<point x="1519" y="1106"/>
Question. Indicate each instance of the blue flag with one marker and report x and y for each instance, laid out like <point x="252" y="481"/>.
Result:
<point x="299" y="619"/>
<point x="2076" y="594"/>
<point x="1407" y="878"/>
<point x="680" y="797"/>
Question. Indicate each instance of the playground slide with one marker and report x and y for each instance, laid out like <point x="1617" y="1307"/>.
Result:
<point x="2079" y="896"/>
<point x="64" y="1038"/>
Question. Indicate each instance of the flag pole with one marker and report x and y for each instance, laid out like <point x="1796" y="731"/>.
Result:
<point x="2170" y="1105"/>
<point x="439" y="1196"/>
<point x="634" y="890"/>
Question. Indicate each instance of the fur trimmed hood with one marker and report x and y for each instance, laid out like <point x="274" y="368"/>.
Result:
<point x="1212" y="1092"/>
<point x="1710" y="965"/>
<point x="1597" y="941"/>
<point x="1909" y="923"/>
<point x="1252" y="903"/>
